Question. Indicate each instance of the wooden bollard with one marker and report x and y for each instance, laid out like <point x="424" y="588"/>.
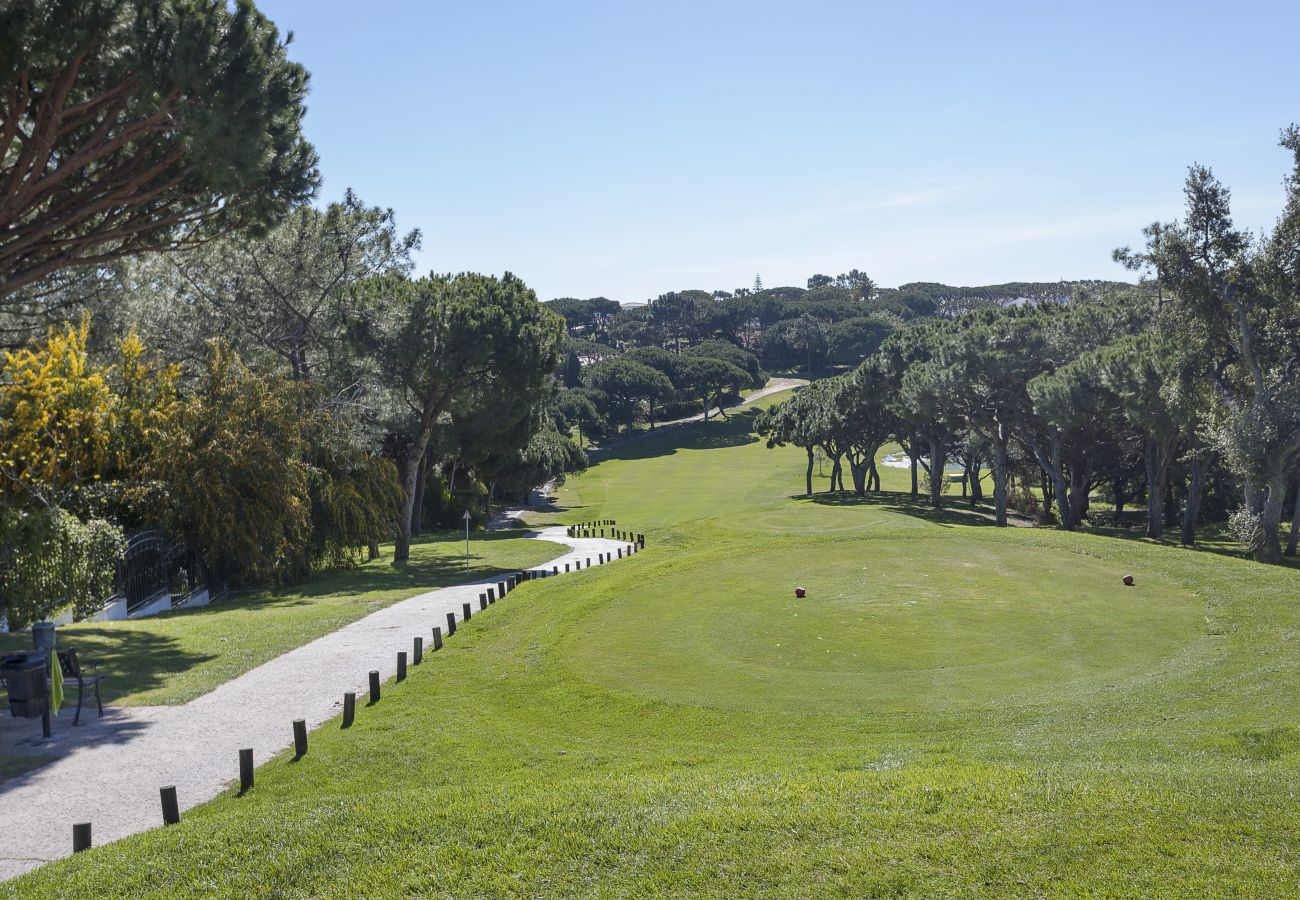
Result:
<point x="640" y="539"/>
<point x="349" y="708"/>
<point x="374" y="686"/>
<point x="451" y="624"/>
<point x="171" y="809"/>
<point x="80" y="837"/>
<point x="555" y="570"/>
<point x="482" y="602"/>
<point x="417" y="651"/>
<point x="620" y="552"/>
<point x="299" y="738"/>
<point x="401" y="665"/>
<point x="512" y="582"/>
<point x="588" y="562"/>
<point x="466" y="612"/>
<point x="437" y="638"/>
<point x="245" y="770"/>
<point x="566" y="567"/>
<point x="501" y="588"/>
<point x="492" y="595"/>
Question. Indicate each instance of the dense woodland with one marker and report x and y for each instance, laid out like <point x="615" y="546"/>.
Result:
<point x="193" y="346"/>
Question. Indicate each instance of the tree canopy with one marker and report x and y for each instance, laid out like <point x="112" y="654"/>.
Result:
<point x="135" y="125"/>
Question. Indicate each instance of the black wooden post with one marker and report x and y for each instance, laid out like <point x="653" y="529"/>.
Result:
<point x="501" y="589"/>
<point x="299" y="738"/>
<point x="171" y="809"/>
<point x="374" y="686"/>
<point x="466" y="612"/>
<point x="417" y="651"/>
<point x="492" y="595"/>
<point x="482" y="602"/>
<point x="437" y="638"/>
<point x="401" y="665"/>
<point x="555" y="570"/>
<point x="80" y="837"/>
<point x="245" y="770"/>
<point x="349" y="708"/>
<point x="451" y="624"/>
<point x="566" y="567"/>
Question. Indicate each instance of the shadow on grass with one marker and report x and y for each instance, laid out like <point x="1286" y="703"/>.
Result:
<point x="1209" y="539"/>
<point x="429" y="567"/>
<point x="736" y="430"/>
<point x="131" y="660"/>
<point x="954" y="511"/>
<point x="957" y="511"/>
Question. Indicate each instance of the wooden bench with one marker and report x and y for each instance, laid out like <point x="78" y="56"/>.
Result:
<point x="73" y="674"/>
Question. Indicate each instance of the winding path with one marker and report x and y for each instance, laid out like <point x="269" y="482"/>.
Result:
<point x="112" y="768"/>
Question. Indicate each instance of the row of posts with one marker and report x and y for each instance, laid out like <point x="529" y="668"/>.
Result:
<point x="171" y="814"/>
<point x="593" y="531"/>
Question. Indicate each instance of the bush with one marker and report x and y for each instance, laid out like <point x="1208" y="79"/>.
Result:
<point x="53" y="560"/>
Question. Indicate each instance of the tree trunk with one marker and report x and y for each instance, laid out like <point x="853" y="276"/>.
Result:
<point x="858" y="472"/>
<point x="1054" y="471"/>
<point x="1156" y="461"/>
<point x="1000" y="482"/>
<point x="837" y="474"/>
<point x="433" y="406"/>
<point x="911" y="455"/>
<point x="1192" y="507"/>
<point x="1294" y="536"/>
<point x="808" y="474"/>
<point x="873" y="476"/>
<point x="1078" y="494"/>
<point x="938" y="457"/>
<point x="1049" y="498"/>
<point x="417" y="511"/>
<point x="373" y="550"/>
<point x="1269" y="507"/>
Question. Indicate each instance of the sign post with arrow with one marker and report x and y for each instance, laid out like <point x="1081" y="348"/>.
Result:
<point x="467" y="542"/>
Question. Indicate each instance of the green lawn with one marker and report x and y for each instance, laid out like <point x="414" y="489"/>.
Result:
<point x="955" y="710"/>
<point x="177" y="656"/>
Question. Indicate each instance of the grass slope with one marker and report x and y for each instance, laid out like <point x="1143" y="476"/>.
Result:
<point x="177" y="656"/>
<point x="955" y="711"/>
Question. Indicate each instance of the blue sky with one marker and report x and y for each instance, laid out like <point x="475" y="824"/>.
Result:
<point x="625" y="150"/>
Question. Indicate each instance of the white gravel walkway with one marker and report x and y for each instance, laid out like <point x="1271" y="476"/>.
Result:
<point x="113" y="767"/>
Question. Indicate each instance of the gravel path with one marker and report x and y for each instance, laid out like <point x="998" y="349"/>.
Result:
<point x="112" y="768"/>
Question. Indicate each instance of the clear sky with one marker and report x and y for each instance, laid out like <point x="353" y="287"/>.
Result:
<point x="627" y="149"/>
